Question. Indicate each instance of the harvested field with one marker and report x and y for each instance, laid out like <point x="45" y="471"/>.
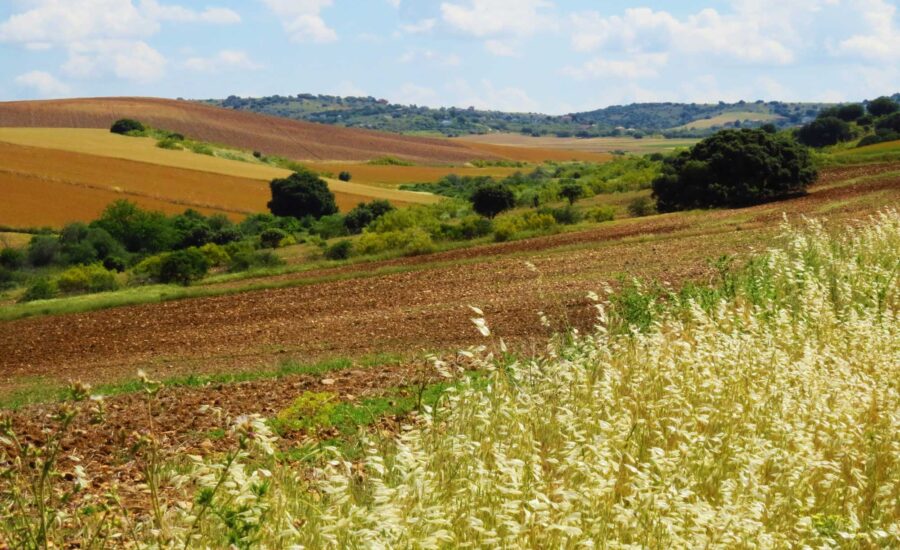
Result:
<point x="422" y="307"/>
<point x="170" y="181"/>
<point x="725" y="118"/>
<point x="11" y="239"/>
<point x="538" y="154"/>
<point x="270" y="135"/>
<point x="587" y="145"/>
<point x="393" y="176"/>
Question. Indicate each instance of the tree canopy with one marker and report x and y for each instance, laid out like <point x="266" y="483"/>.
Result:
<point x="492" y="198"/>
<point x="302" y="194"/>
<point x="824" y="131"/>
<point x="734" y="168"/>
<point x="883" y="106"/>
<point x="125" y="125"/>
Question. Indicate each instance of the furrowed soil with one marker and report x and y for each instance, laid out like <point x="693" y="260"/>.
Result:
<point x="421" y="307"/>
<point x="603" y="145"/>
<point x="270" y="135"/>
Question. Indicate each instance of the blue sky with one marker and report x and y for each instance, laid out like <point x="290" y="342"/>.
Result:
<point x="525" y="55"/>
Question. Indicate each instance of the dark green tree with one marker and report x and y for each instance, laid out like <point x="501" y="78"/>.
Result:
<point x="824" y="131"/>
<point x="345" y="176"/>
<point x="492" y="198"/>
<point x="125" y="125"/>
<point x="300" y="195"/>
<point x="883" y="106"/>
<point x="851" y="112"/>
<point x="571" y="191"/>
<point x="183" y="266"/>
<point x="365" y="213"/>
<point x="734" y="168"/>
<point x="890" y="123"/>
<point x="138" y="230"/>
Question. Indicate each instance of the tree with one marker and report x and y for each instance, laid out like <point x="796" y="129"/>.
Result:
<point x="138" y="230"/>
<point x="734" y="168"/>
<point x="125" y="125"/>
<point x="183" y="266"/>
<point x="493" y="198"/>
<point x="300" y="195"/>
<point x="883" y="106"/>
<point x="851" y="112"/>
<point x="890" y="123"/>
<point x="345" y="176"/>
<point x="571" y="191"/>
<point x="365" y="213"/>
<point x="824" y="131"/>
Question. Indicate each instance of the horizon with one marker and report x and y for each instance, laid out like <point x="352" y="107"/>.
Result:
<point x="455" y="53"/>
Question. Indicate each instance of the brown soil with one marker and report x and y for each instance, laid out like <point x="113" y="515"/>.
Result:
<point x="424" y="308"/>
<point x="271" y="135"/>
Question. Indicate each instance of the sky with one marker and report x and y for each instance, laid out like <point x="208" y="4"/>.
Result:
<point x="550" y="56"/>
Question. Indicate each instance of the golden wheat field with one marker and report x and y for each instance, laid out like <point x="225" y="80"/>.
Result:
<point x="91" y="168"/>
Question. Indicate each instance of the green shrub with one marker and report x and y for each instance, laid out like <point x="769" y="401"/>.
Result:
<point x="822" y="132"/>
<point x="602" y="214"/>
<point x="169" y="143"/>
<point x="571" y="191"/>
<point x="43" y="250"/>
<point x="641" y="206"/>
<point x="507" y="227"/>
<point x="883" y="106"/>
<point x="364" y="214"/>
<point x="40" y="289"/>
<point x="345" y="176"/>
<point x="9" y="278"/>
<point x="215" y="255"/>
<point x="329" y="227"/>
<point x="183" y="267"/>
<point x="126" y="125"/>
<point x="272" y="237"/>
<point x="889" y="123"/>
<point x="340" y="250"/>
<point x="12" y="258"/>
<point x="566" y="215"/>
<point x="201" y="149"/>
<point x="309" y="412"/>
<point x="244" y="259"/>
<point x="86" y="278"/>
<point x="389" y="161"/>
<point x="470" y="227"/>
<point x="148" y="270"/>
<point x="409" y="241"/>
<point x="492" y="199"/>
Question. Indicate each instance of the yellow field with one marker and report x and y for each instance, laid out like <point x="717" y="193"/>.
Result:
<point x="392" y="176"/>
<point x="587" y="145"/>
<point x="105" y="144"/>
<point x="725" y="118"/>
<point x="13" y="240"/>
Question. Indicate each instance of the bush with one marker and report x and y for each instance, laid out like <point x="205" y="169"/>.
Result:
<point x="12" y="258"/>
<point x="9" y="278"/>
<point x="43" y="250"/>
<point x="300" y="195"/>
<point x="823" y="132"/>
<point x="86" y="278"/>
<point x="571" y="191"/>
<point x="169" y="143"/>
<point x="244" y="258"/>
<point x="641" y="206"/>
<point x="566" y="215"/>
<point x="507" y="227"/>
<point x="340" y="250"/>
<point x="364" y="214"/>
<point x="140" y="231"/>
<point x="126" y="125"/>
<point x="889" y="123"/>
<point x="602" y="214"/>
<point x="183" y="267"/>
<point x="734" y="168"/>
<point x="881" y="136"/>
<point x="41" y="289"/>
<point x="492" y="199"/>
<point x="883" y="106"/>
<point x="329" y="227"/>
<point x="850" y="113"/>
<point x="215" y="255"/>
<point x="345" y="176"/>
<point x="148" y="270"/>
<point x="409" y="241"/>
<point x="272" y="237"/>
<point x="470" y="227"/>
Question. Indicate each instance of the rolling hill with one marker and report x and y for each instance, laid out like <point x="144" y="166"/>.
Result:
<point x="297" y="140"/>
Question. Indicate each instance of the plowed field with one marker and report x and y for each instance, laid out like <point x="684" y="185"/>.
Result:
<point x="422" y="308"/>
<point x="270" y="135"/>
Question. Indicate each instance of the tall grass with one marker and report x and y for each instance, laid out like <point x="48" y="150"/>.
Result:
<point x="763" y="412"/>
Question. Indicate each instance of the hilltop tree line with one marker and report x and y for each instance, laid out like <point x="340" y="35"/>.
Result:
<point x="877" y="122"/>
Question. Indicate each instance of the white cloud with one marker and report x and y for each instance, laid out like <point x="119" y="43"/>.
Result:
<point x="128" y="60"/>
<point x="419" y="27"/>
<point x="104" y="36"/>
<point x="413" y="94"/>
<point x="159" y="12"/>
<point x="637" y="66"/>
<point x="432" y="57"/>
<point x="485" y="18"/>
<point x="882" y="41"/>
<point x="302" y="19"/>
<point x="487" y="96"/>
<point x="44" y="83"/>
<point x="502" y="48"/>
<point x="394" y="3"/>
<point x="222" y="61"/>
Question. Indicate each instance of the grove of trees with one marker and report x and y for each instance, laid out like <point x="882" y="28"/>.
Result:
<point x="300" y="195"/>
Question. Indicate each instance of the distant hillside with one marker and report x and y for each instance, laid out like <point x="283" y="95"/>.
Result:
<point x="270" y="135"/>
<point x="672" y="119"/>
